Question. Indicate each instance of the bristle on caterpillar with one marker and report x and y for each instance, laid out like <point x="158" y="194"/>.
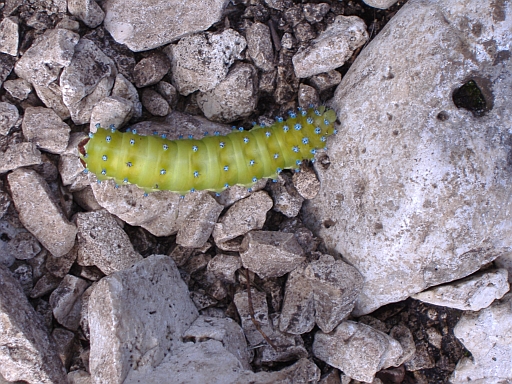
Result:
<point x="213" y="163"/>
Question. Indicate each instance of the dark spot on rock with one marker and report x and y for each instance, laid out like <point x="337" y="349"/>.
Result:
<point x="5" y="237"/>
<point x="329" y="223"/>
<point x="501" y="56"/>
<point x="442" y="116"/>
<point x="396" y="132"/>
<point x="469" y="96"/>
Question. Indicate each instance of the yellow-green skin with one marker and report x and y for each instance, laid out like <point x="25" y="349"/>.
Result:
<point x="212" y="163"/>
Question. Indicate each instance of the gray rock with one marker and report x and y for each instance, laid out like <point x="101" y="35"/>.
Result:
<point x="381" y="4"/>
<point x="308" y="96"/>
<point x="198" y="213"/>
<point x="86" y="80"/>
<point x="6" y="65"/>
<point x="223" y="267"/>
<point x="326" y="80"/>
<point x="136" y="317"/>
<point x="168" y="92"/>
<point x="243" y="216"/>
<point x="288" y="347"/>
<point x="332" y="48"/>
<point x="235" y="97"/>
<point x="357" y="349"/>
<point x="206" y="362"/>
<point x="306" y="183"/>
<point x="260" y="313"/>
<point x="23" y="273"/>
<point x="8" y="117"/>
<point x="154" y="102"/>
<point x="18" y="89"/>
<point x="66" y="301"/>
<point x="126" y="90"/>
<point x="88" y="11"/>
<point x="112" y="110"/>
<point x="39" y="213"/>
<point x="150" y="70"/>
<point x="79" y="377"/>
<point x="323" y="292"/>
<point x="504" y="261"/>
<point x="201" y="61"/>
<point x="259" y="46"/>
<point x="162" y="22"/>
<point x="44" y="127"/>
<point x="51" y="96"/>
<point x="72" y="173"/>
<point x="235" y="193"/>
<point x="42" y="63"/>
<point x="415" y="193"/>
<point x="403" y="335"/>
<point x="23" y="245"/>
<point x="225" y="330"/>
<point x="9" y="36"/>
<point x="157" y="212"/>
<point x="60" y="266"/>
<point x="19" y="155"/>
<point x="101" y="242"/>
<point x="470" y="294"/>
<point x="44" y="285"/>
<point x="487" y="335"/>
<point x="314" y="13"/>
<point x="271" y="254"/>
<point x="65" y="341"/>
<point x="286" y="198"/>
<point x="27" y="352"/>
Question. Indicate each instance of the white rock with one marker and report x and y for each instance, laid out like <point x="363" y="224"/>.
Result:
<point x="86" y="10"/>
<point x="201" y="61"/>
<point x="9" y="36"/>
<point x="357" y="349"/>
<point x="162" y="22"/>
<point x="66" y="301"/>
<point x="332" y="48"/>
<point x="39" y="213"/>
<point x="42" y="63"/>
<point x="8" y="117"/>
<point x="470" y="294"/>
<point x="137" y="317"/>
<point x="487" y="334"/>
<point x="416" y="191"/>
<point x="109" y="111"/>
<point x="234" y="98"/>
<point x="381" y="4"/>
<point x="44" y="127"/>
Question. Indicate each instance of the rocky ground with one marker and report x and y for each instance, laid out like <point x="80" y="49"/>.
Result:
<point x="384" y="261"/>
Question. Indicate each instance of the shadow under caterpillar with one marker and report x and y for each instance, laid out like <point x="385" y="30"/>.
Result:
<point x="213" y="163"/>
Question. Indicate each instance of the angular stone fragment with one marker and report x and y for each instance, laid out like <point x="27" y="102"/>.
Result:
<point x="323" y="292"/>
<point x="18" y="89"/>
<point x="259" y="46"/>
<point x="308" y="96"/>
<point x="72" y="173"/>
<point x="39" y="213"/>
<point x="66" y="301"/>
<point x="44" y="127"/>
<point x="234" y="97"/>
<point x="64" y="340"/>
<point x="101" y="242"/>
<point x="487" y="335"/>
<point x="470" y="294"/>
<point x="224" y="330"/>
<point x="44" y="285"/>
<point x="51" y="96"/>
<point x="157" y="212"/>
<point x="154" y="102"/>
<point x="357" y="349"/>
<point x="286" y="198"/>
<point x="381" y="4"/>
<point x="306" y="183"/>
<point x="86" y="80"/>
<point x="332" y="48"/>
<point x="260" y="312"/>
<point x="224" y="267"/>
<point x="326" y="80"/>
<point x="8" y="117"/>
<point x="111" y="111"/>
<point x="243" y="216"/>
<point x="201" y="61"/>
<point x="42" y="63"/>
<point x="19" y="155"/>
<point x="198" y="213"/>
<point x="9" y="36"/>
<point x="125" y="89"/>
<point x="150" y="70"/>
<point x="162" y="22"/>
<point x="136" y="317"/>
<point x="88" y="11"/>
<point x="314" y="13"/>
<point x="27" y="352"/>
<point x="271" y="254"/>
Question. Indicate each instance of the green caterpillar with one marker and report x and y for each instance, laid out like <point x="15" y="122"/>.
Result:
<point x="213" y="163"/>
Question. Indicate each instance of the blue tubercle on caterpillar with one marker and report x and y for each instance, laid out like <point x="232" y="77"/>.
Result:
<point x="213" y="163"/>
